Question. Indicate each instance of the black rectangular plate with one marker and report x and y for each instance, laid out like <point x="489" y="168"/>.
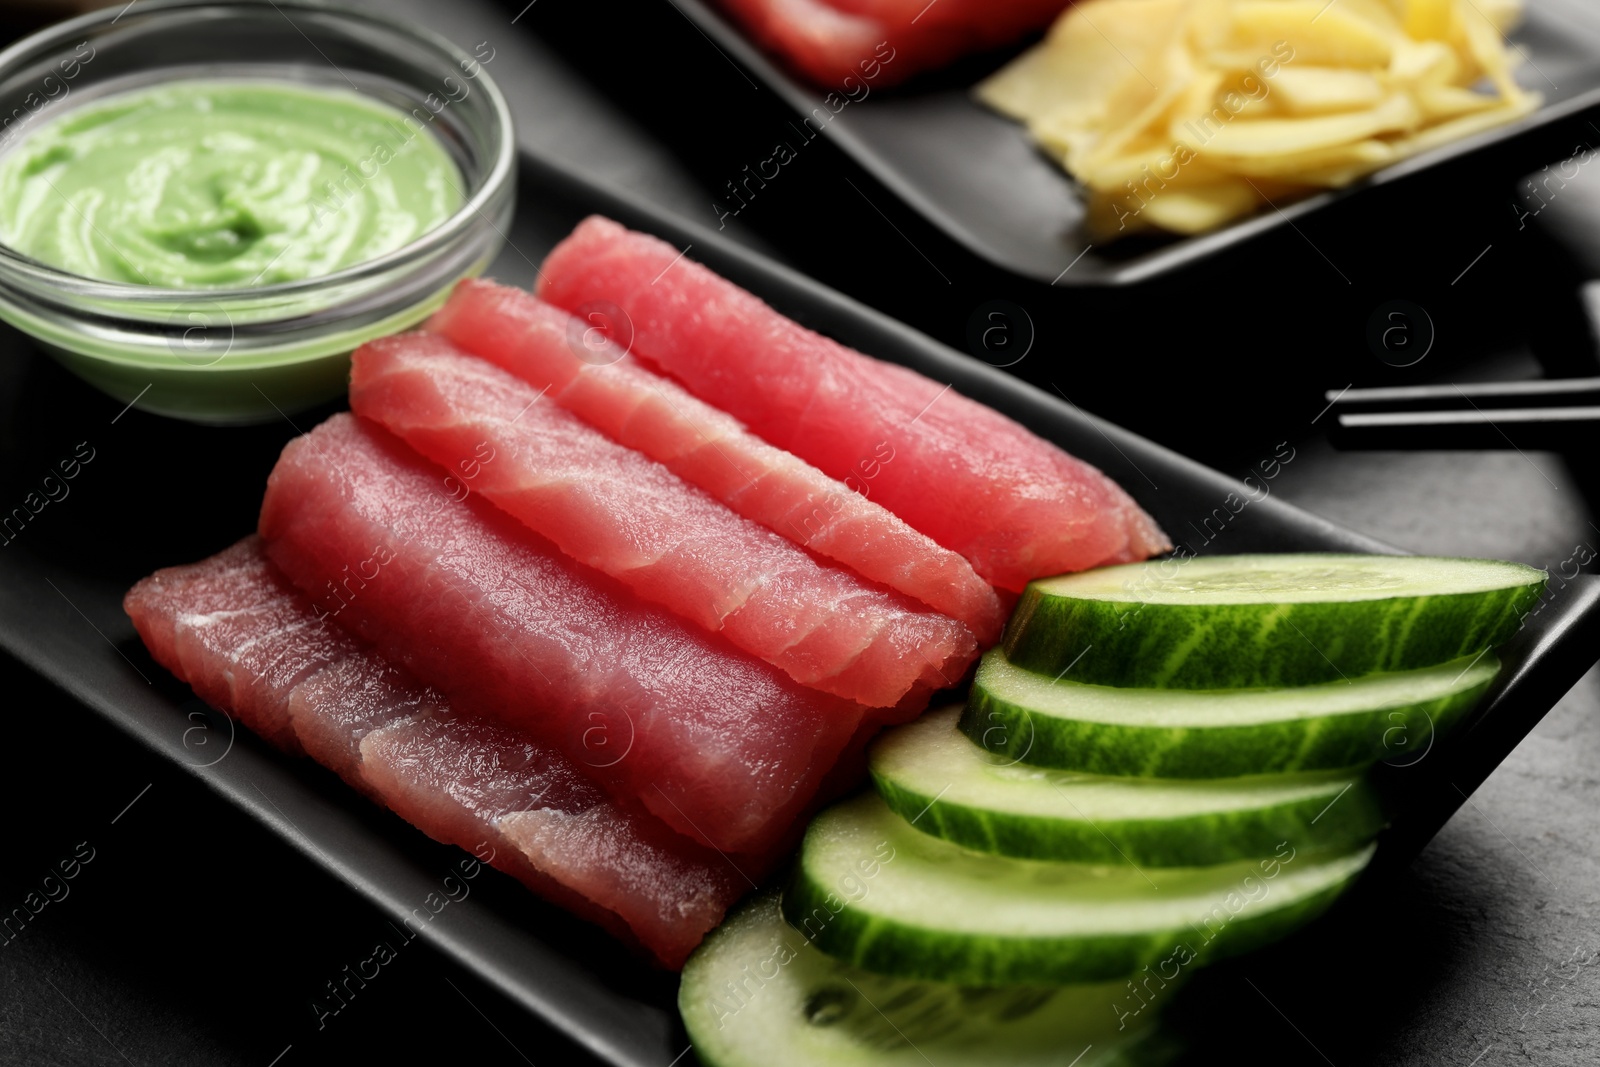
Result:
<point x="977" y="176"/>
<point x="161" y="492"/>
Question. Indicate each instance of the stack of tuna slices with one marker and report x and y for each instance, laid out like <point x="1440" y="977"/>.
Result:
<point x="626" y="616"/>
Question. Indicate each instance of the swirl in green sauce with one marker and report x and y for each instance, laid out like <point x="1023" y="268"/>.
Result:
<point x="217" y="184"/>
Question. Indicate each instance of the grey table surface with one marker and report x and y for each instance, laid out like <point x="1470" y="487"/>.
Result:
<point x="1494" y="956"/>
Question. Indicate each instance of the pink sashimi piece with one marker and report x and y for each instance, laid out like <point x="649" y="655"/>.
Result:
<point x="719" y="745"/>
<point x="211" y="585"/>
<point x="242" y="640"/>
<point x="679" y="898"/>
<point x="819" y="42"/>
<point x="462" y="781"/>
<point x="628" y="516"/>
<point x="334" y="709"/>
<point x="597" y="380"/>
<point x="457" y="780"/>
<point x="481" y="786"/>
<point x="854" y="46"/>
<point x="1016" y="506"/>
<point x="987" y="22"/>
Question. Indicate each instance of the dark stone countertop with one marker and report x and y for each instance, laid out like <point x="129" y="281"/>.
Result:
<point x="196" y="938"/>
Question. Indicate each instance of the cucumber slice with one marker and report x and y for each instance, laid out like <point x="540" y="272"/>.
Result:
<point x="756" y="994"/>
<point x="1175" y="733"/>
<point x="876" y="893"/>
<point x="1225" y="622"/>
<point x="932" y="775"/>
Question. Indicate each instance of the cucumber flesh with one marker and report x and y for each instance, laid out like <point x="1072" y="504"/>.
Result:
<point x="873" y="891"/>
<point x="1224" y="622"/>
<point x="1176" y="733"/>
<point x="935" y="777"/>
<point x="757" y="994"/>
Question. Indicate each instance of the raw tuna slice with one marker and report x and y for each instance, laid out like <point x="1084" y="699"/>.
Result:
<point x="626" y="515"/>
<point x="482" y="786"/>
<point x="719" y="745"/>
<point x="986" y="23"/>
<point x="461" y="780"/>
<point x="671" y="894"/>
<point x="613" y="392"/>
<point x="456" y="778"/>
<point x="820" y="43"/>
<point x="844" y="45"/>
<point x="332" y="710"/>
<point x="239" y="634"/>
<point x="1013" y="504"/>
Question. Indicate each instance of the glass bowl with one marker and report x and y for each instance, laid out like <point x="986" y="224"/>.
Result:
<point x="252" y="354"/>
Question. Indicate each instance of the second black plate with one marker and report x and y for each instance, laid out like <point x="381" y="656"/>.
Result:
<point x="977" y="176"/>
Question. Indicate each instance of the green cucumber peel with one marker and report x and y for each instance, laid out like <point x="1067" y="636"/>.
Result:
<point x="1223" y="622"/>
<point x="758" y="994"/>
<point x="876" y="893"/>
<point x="937" y="779"/>
<point x="1168" y="733"/>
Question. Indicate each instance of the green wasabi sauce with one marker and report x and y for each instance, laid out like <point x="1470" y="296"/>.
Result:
<point x="223" y="184"/>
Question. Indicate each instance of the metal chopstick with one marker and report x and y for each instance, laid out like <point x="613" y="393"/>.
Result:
<point x="1554" y="429"/>
<point x="1565" y="392"/>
